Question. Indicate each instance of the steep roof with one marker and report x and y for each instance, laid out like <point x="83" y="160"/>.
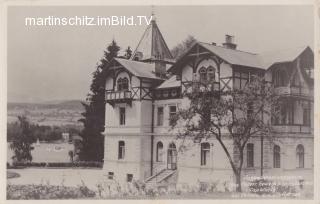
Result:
<point x="280" y="56"/>
<point x="235" y="57"/>
<point x="262" y="61"/>
<point x="170" y="83"/>
<point x="139" y="69"/>
<point x="152" y="44"/>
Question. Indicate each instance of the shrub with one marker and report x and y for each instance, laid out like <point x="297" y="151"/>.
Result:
<point x="36" y="192"/>
<point x="58" y="164"/>
<point x="281" y="188"/>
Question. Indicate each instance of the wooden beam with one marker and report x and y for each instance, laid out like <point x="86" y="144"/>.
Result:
<point x="197" y="54"/>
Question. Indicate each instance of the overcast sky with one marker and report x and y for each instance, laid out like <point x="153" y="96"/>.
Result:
<point x="55" y="63"/>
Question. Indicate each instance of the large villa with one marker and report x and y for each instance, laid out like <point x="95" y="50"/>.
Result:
<point x="144" y="91"/>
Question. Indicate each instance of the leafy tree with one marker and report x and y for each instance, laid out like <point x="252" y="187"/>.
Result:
<point x="22" y="140"/>
<point x="94" y="115"/>
<point x="180" y="48"/>
<point x="229" y="116"/>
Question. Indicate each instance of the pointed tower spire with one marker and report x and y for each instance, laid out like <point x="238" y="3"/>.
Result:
<point x="153" y="13"/>
<point x="152" y="45"/>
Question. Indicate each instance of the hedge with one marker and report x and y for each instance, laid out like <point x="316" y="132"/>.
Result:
<point x="35" y="192"/>
<point x="58" y="164"/>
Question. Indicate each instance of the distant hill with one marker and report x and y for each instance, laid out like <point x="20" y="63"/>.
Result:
<point x="61" y="105"/>
<point x="51" y="113"/>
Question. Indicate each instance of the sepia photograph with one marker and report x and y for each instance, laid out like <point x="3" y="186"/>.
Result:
<point x="167" y="102"/>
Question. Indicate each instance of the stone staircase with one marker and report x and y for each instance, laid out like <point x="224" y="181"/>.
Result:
<point x="160" y="177"/>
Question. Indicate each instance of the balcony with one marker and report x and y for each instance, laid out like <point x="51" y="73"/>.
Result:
<point x="296" y="128"/>
<point x="113" y="97"/>
<point x="191" y="86"/>
<point x="294" y="91"/>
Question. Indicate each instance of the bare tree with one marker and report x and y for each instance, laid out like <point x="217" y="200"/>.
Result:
<point x="235" y="115"/>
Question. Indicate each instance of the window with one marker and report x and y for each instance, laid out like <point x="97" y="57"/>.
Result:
<point x="159" y="155"/>
<point x="207" y="74"/>
<point x="296" y="81"/>
<point x="249" y="110"/>
<point x="122" y="114"/>
<point x="123" y="84"/>
<point x="240" y="79"/>
<point x="300" y="156"/>
<point x="203" y="74"/>
<point x="276" y="156"/>
<point x="110" y="175"/>
<point x="284" y="113"/>
<point x="205" y="153"/>
<point x="210" y="74"/>
<point x="306" y="116"/>
<point x="121" y="150"/>
<point x="280" y="78"/>
<point x="172" y="113"/>
<point x="250" y="155"/>
<point x="129" y="177"/>
<point x="160" y="116"/>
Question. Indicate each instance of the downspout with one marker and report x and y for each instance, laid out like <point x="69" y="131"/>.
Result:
<point x="152" y="137"/>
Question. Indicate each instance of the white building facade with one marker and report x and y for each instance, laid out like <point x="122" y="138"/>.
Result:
<point x="144" y="91"/>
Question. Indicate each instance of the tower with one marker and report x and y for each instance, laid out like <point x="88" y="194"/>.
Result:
<point x="129" y="107"/>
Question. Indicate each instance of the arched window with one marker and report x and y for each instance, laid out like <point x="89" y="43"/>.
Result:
<point x="205" y="153"/>
<point x="123" y="84"/>
<point x="276" y="156"/>
<point x="300" y="156"/>
<point x="280" y="78"/>
<point x="250" y="155"/>
<point x="203" y="74"/>
<point x="159" y="156"/>
<point x="210" y="74"/>
<point x="121" y="150"/>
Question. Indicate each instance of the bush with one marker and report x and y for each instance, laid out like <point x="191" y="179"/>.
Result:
<point x="58" y="164"/>
<point x="36" y="192"/>
<point x="263" y="186"/>
<point x="29" y="164"/>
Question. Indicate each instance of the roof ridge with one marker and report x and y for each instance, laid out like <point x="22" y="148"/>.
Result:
<point x="284" y="49"/>
<point x="229" y="48"/>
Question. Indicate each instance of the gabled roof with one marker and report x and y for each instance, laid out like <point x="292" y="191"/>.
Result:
<point x="237" y="57"/>
<point x="170" y="83"/>
<point x="281" y="56"/>
<point x="152" y="44"/>
<point x="139" y="69"/>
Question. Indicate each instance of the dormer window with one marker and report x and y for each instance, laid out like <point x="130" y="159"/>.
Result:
<point x="123" y="84"/>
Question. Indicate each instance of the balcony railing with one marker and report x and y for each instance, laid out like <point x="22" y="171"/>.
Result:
<point x="294" y="91"/>
<point x="296" y="128"/>
<point x="118" y="95"/>
<point x="202" y="86"/>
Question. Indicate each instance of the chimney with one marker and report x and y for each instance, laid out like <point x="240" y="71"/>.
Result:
<point x="229" y="42"/>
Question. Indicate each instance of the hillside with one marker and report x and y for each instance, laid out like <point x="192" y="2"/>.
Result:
<point x="48" y="113"/>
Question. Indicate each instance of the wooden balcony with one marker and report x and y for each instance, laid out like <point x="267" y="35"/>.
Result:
<point x="191" y="86"/>
<point x="113" y="97"/>
<point x="294" y="91"/>
<point x="296" y="128"/>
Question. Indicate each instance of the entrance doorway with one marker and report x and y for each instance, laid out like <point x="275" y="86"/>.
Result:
<point x="172" y="157"/>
